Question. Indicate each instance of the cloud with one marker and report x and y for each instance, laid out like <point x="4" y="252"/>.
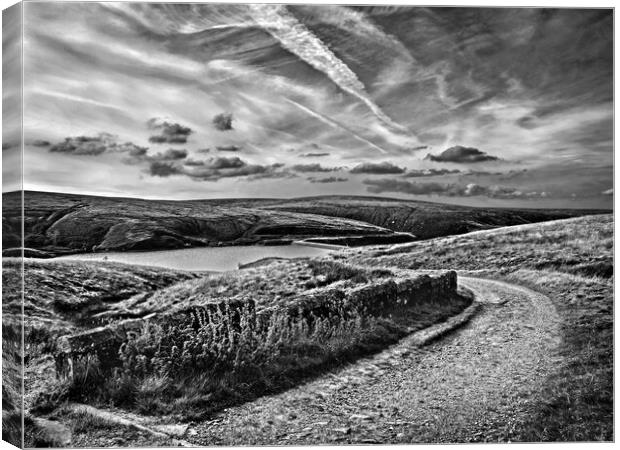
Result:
<point x="407" y="187"/>
<point x="216" y="168"/>
<point x="295" y="37"/>
<point x="408" y="150"/>
<point x="134" y="150"/>
<point x="483" y="173"/>
<point x="107" y="143"/>
<point x="164" y="169"/>
<point x="96" y="145"/>
<point x="171" y="133"/>
<point x="85" y="145"/>
<point x="271" y="172"/>
<point x="608" y="192"/>
<point x="460" y="154"/>
<point x="313" y="155"/>
<point x="228" y="148"/>
<point x="221" y="162"/>
<point x="385" y="167"/>
<point x="223" y="121"/>
<point x="450" y="190"/>
<point x="193" y="162"/>
<point x="40" y="143"/>
<point x="430" y="173"/>
<point x="140" y="155"/>
<point x="189" y="76"/>
<point x="314" y="168"/>
<point x="327" y="180"/>
<point x="511" y="174"/>
<point x="527" y="122"/>
<point x="170" y="154"/>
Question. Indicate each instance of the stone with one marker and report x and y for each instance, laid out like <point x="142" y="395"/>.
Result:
<point x="53" y="433"/>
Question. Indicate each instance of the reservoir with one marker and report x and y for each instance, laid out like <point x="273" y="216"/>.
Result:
<point x="202" y="258"/>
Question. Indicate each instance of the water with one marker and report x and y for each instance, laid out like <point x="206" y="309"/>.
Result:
<point x="202" y="258"/>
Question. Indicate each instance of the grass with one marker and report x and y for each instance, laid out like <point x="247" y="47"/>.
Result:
<point x="191" y="369"/>
<point x="218" y="340"/>
<point x="579" y="246"/>
<point x="572" y="263"/>
<point x="277" y="284"/>
<point x="577" y="401"/>
<point x="83" y="421"/>
<point x="194" y="369"/>
<point x="11" y="382"/>
<point x="91" y="430"/>
<point x="62" y="296"/>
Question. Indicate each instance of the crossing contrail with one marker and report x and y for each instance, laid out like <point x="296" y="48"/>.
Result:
<point x="334" y="124"/>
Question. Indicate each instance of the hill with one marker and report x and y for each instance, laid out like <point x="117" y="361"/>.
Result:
<point x="425" y="220"/>
<point x="68" y="223"/>
<point x="295" y="320"/>
<point x="571" y="262"/>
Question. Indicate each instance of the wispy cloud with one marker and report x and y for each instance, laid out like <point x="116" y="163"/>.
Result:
<point x="298" y="39"/>
<point x="316" y="81"/>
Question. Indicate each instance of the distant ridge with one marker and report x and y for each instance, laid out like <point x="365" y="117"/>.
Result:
<point x="57" y="223"/>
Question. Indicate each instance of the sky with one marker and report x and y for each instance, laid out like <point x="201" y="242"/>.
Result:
<point x="485" y="107"/>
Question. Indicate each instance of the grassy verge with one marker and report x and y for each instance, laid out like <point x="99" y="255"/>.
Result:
<point x="88" y="430"/>
<point x="572" y="263"/>
<point x="577" y="401"/>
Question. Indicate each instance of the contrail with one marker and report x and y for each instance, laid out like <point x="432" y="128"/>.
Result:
<point x="293" y="35"/>
<point x="298" y="39"/>
<point x="334" y="124"/>
<point x="291" y="135"/>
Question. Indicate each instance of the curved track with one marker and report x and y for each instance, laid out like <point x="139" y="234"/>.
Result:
<point x="476" y="384"/>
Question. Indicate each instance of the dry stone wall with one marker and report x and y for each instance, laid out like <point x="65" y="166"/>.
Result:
<point x="380" y="299"/>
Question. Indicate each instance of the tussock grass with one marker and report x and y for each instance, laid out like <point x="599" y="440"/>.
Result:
<point x="580" y="246"/>
<point x="192" y="371"/>
<point x="11" y="383"/>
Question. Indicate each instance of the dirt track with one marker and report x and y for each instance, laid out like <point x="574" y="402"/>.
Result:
<point x="476" y="384"/>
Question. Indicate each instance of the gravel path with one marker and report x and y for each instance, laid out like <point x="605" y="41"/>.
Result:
<point x="474" y="385"/>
